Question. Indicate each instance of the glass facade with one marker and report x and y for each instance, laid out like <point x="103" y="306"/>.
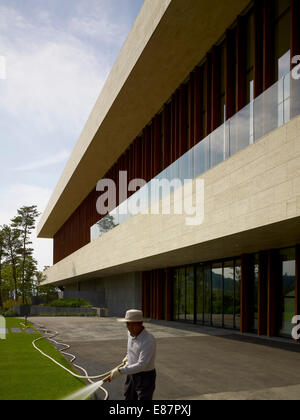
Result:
<point x="210" y="293"/>
<point x="287" y="306"/>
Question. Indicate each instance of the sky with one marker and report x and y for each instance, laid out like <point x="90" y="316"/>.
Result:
<point x="54" y="59"/>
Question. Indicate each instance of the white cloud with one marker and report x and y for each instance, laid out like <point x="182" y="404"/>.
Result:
<point x="52" y="160"/>
<point x="53" y="78"/>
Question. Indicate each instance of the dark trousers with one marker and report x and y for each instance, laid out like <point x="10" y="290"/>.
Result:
<point x="140" y="386"/>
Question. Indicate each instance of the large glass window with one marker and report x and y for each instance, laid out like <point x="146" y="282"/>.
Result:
<point x="199" y="294"/>
<point x="207" y="295"/>
<point x="217" y="295"/>
<point x="253" y="294"/>
<point x="175" y="294"/>
<point x="288" y="278"/>
<point x="181" y="294"/>
<point x="237" y="294"/>
<point x="190" y="286"/>
<point x="229" y="294"/>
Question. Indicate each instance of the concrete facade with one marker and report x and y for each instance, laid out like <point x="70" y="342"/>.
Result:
<point x="252" y="202"/>
<point x="116" y="293"/>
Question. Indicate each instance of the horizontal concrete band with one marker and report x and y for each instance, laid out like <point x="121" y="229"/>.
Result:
<point x="252" y="203"/>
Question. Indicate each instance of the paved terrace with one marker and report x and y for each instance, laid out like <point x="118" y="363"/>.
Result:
<point x="193" y="362"/>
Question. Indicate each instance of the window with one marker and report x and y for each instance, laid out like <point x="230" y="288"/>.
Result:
<point x="181" y="294"/>
<point x="199" y="294"/>
<point x="237" y="294"/>
<point x="207" y="295"/>
<point x="190" y="285"/>
<point x="253" y="294"/>
<point x="287" y="286"/>
<point x="175" y="294"/>
<point x="217" y="295"/>
<point x="229" y="294"/>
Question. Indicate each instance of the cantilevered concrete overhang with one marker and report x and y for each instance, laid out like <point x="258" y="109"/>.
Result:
<point x="252" y="203"/>
<point x="168" y="39"/>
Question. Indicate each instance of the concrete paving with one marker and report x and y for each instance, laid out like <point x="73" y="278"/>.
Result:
<point x="193" y="362"/>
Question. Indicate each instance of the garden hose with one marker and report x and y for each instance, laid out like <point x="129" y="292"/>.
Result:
<point x="51" y="335"/>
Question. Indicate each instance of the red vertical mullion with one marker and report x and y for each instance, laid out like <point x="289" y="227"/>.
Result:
<point x="197" y="106"/>
<point x="258" y="48"/>
<point x="230" y="73"/>
<point x="216" y="89"/>
<point x="182" y="121"/>
<point x="241" y="63"/>
<point x="191" y="100"/>
<point x="173" y="124"/>
<point x="167" y="135"/>
<point x="144" y="154"/>
<point x="268" y="44"/>
<point x="152" y="148"/>
<point x="156" y="145"/>
<point x="177" y="134"/>
<point x="147" y="155"/>
<point x="208" y="67"/>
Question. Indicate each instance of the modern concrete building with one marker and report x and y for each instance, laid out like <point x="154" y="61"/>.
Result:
<point x="201" y="90"/>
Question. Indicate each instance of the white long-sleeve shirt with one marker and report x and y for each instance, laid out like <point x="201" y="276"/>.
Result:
<point x="141" y="351"/>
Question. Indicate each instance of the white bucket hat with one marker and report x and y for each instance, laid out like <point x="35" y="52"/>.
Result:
<point x="133" y="315"/>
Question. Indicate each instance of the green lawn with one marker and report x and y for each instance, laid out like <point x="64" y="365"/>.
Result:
<point x="27" y="375"/>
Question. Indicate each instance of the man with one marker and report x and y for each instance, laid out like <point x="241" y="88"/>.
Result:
<point x="140" y="360"/>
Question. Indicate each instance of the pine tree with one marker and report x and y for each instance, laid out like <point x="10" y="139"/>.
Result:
<point x="24" y="223"/>
<point x="3" y="254"/>
<point x="13" y="246"/>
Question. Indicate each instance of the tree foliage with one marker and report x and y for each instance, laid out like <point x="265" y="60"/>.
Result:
<point x="18" y="268"/>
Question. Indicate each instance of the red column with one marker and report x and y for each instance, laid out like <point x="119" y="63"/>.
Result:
<point x="177" y="110"/>
<point x="273" y="292"/>
<point x="198" y="109"/>
<point x="208" y="71"/>
<point x="258" y="48"/>
<point x="268" y="44"/>
<point x="173" y="129"/>
<point x="230" y="73"/>
<point x="241" y="63"/>
<point x="167" y="136"/>
<point x="216" y="89"/>
<point x="182" y="132"/>
<point x="157" y="147"/>
<point x="191" y="89"/>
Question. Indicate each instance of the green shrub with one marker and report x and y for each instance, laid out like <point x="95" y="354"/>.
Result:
<point x="70" y="303"/>
<point x="10" y="303"/>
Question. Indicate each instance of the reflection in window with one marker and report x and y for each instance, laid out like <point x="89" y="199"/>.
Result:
<point x="217" y="295"/>
<point x="207" y="295"/>
<point x="229" y="294"/>
<point x="181" y="294"/>
<point x="237" y="294"/>
<point x="199" y="294"/>
<point x="175" y="294"/>
<point x="288" y="297"/>
<point x="253" y="295"/>
<point x="189" y="294"/>
<point x="284" y="89"/>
